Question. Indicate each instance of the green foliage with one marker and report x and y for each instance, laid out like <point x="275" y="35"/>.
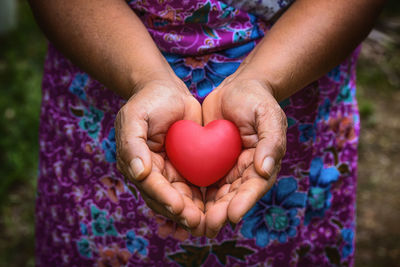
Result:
<point x="21" y="65"/>
<point x="229" y="248"/>
<point x="392" y="7"/>
<point x="197" y="255"/>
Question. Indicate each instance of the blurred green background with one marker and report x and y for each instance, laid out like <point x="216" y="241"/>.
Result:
<point x="22" y="53"/>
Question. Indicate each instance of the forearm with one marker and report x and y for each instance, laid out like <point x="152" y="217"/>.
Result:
<point x="308" y="40"/>
<point x="106" y="39"/>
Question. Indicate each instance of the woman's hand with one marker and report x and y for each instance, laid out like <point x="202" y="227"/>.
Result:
<point x="262" y="125"/>
<point x="141" y="126"/>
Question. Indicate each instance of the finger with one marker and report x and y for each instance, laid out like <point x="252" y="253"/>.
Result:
<point x="180" y="233"/>
<point x="244" y="161"/>
<point x="222" y="191"/>
<point x="171" y="173"/>
<point x="211" y="109"/>
<point x="157" y="209"/>
<point x="271" y="129"/>
<point x="193" y="111"/>
<point x="132" y="150"/>
<point x="170" y="219"/>
<point x="210" y="197"/>
<point x="191" y="215"/>
<point x="197" y="198"/>
<point x="235" y="185"/>
<point x="248" y="193"/>
<point x="217" y="215"/>
<point x="200" y="229"/>
<point x="160" y="190"/>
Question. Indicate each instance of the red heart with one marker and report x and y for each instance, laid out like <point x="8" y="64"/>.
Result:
<point x="203" y="155"/>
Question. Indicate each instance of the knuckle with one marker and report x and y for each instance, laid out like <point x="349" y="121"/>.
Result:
<point x="280" y="145"/>
<point x="279" y="117"/>
<point x="281" y="149"/>
<point x="283" y="119"/>
<point x="262" y="110"/>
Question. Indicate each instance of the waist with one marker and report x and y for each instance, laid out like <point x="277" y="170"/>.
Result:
<point x="198" y="27"/>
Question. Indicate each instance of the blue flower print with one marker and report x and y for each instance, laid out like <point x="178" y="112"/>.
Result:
<point x="84" y="248"/>
<point x="90" y="122"/>
<point x="101" y="225"/>
<point x="109" y="147"/>
<point x="78" y="85"/>
<point x="307" y="132"/>
<point x="274" y="217"/>
<point x="238" y="51"/>
<point x="251" y="33"/>
<point x="345" y="95"/>
<point x="324" y="110"/>
<point x="84" y="229"/>
<point x="319" y="195"/>
<point x="136" y="243"/>
<point x="348" y="236"/>
<point x="228" y="10"/>
<point x="204" y="76"/>
<point x="334" y="74"/>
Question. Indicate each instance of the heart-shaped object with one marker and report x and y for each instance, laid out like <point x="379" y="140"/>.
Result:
<point x="203" y="155"/>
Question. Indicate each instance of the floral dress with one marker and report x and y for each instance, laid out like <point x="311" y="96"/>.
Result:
<point x="87" y="215"/>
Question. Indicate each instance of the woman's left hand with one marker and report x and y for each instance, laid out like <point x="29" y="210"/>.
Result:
<point x="249" y="104"/>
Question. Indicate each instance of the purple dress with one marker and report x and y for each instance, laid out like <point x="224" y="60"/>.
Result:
<point x="86" y="215"/>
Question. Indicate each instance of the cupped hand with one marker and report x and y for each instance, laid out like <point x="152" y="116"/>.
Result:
<point x="141" y="126"/>
<point x="262" y="124"/>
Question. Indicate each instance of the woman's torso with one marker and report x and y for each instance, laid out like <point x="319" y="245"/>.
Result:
<point x="87" y="215"/>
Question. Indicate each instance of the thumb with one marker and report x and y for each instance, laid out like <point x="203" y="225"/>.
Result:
<point x="132" y="150"/>
<point x="271" y="145"/>
<point x="211" y="107"/>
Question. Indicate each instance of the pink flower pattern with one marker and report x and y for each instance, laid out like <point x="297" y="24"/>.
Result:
<point x="87" y="215"/>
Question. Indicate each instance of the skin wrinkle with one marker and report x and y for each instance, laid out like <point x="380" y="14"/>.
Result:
<point x="158" y="162"/>
<point x="154" y="205"/>
<point x="105" y="54"/>
<point x="222" y="192"/>
<point x="239" y="169"/>
<point x="235" y="185"/>
<point x="280" y="141"/>
<point x="251" y="184"/>
<point x="186" y="191"/>
<point x="156" y="146"/>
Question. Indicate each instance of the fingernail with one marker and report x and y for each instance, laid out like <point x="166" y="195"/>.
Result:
<point x="184" y="222"/>
<point x="268" y="165"/>
<point x="137" y="167"/>
<point x="169" y="208"/>
<point x="214" y="234"/>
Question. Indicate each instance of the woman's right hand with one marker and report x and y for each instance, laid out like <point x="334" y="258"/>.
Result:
<point x="141" y="126"/>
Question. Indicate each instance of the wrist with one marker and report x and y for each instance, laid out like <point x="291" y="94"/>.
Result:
<point x="247" y="76"/>
<point x="160" y="84"/>
<point x="161" y="74"/>
<point x="279" y="82"/>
